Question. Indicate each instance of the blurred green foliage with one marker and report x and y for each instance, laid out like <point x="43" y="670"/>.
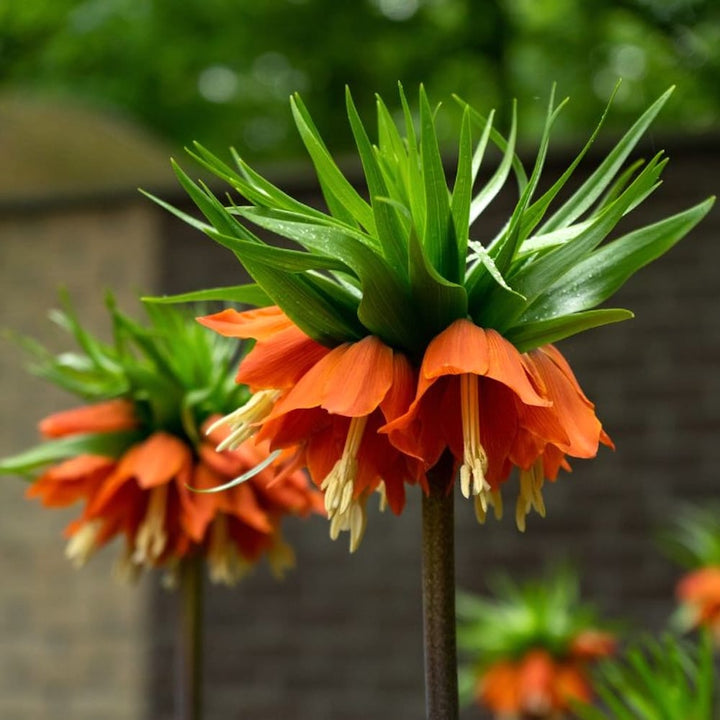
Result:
<point x="221" y="71"/>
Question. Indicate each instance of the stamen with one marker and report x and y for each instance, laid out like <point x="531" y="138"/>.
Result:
<point x="530" y="496"/>
<point x="494" y="499"/>
<point x="225" y="564"/>
<point x="281" y="557"/>
<point x="83" y="543"/>
<point x="125" y="570"/>
<point x="475" y="462"/>
<point x="151" y="539"/>
<point x="243" y="421"/>
<point x="344" y="511"/>
<point x="382" y="491"/>
<point x="339" y="483"/>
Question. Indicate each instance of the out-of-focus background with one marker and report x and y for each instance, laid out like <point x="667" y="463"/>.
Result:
<point x="94" y="98"/>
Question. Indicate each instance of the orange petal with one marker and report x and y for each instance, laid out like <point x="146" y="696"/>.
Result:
<point x="351" y="380"/>
<point x="505" y="364"/>
<point x="461" y="348"/>
<point x="158" y="460"/>
<point x="537" y="676"/>
<point x="244" y="506"/>
<point x="200" y="508"/>
<point x="592" y="644"/>
<point x="279" y="361"/>
<point x="402" y="390"/>
<point x="700" y="586"/>
<point x="259" y="323"/>
<point x="499" y="688"/>
<point x="571" y="684"/>
<point x="572" y="409"/>
<point x="361" y="379"/>
<point x="71" y="480"/>
<point x="110" y="416"/>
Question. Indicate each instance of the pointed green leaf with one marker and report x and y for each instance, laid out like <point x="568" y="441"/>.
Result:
<point x="533" y="334"/>
<point x="497" y="181"/>
<point x="280" y="258"/>
<point x="326" y="314"/>
<point x="462" y="191"/>
<point x="438" y="239"/>
<point x="498" y="140"/>
<point x="533" y="280"/>
<point x="250" y="294"/>
<point x="595" y="185"/>
<point x="438" y="302"/>
<point x="603" y="273"/>
<point x="386" y="308"/>
<point x="416" y="187"/>
<point x="340" y="195"/>
<point x="107" y="444"/>
<point x="390" y="230"/>
<point x="537" y="210"/>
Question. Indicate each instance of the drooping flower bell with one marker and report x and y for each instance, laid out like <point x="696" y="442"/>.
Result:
<point x="140" y="462"/>
<point x="329" y="404"/>
<point x="387" y="337"/>
<point x="530" y="649"/>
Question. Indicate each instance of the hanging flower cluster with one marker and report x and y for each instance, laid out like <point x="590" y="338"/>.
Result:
<point x="141" y="454"/>
<point x="387" y="338"/>
<point x="536" y="644"/>
<point x="695" y="544"/>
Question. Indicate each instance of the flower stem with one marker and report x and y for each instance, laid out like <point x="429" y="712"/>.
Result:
<point x="438" y="580"/>
<point x="188" y="669"/>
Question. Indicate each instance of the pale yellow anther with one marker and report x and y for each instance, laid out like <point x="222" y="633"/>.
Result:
<point x="281" y="557"/>
<point x="483" y="501"/>
<point x="382" y="491"/>
<point x="83" y="543"/>
<point x="151" y="538"/>
<point x="530" y="495"/>
<point x="225" y="564"/>
<point x="475" y="462"/>
<point x="345" y="512"/>
<point x="243" y="422"/>
<point x="126" y="570"/>
<point x="358" y="522"/>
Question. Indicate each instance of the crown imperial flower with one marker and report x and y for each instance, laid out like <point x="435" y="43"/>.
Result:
<point x="138" y="458"/>
<point x="388" y="337"/>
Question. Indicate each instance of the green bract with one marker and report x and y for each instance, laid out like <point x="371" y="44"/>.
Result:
<point x="545" y="614"/>
<point x="173" y="371"/>
<point x="658" y="680"/>
<point x="401" y="265"/>
<point x="694" y="540"/>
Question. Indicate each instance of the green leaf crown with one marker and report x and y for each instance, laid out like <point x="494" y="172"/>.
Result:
<point x="401" y="264"/>
<point x="173" y="371"/>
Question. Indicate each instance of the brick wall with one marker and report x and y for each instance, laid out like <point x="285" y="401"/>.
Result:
<point x="72" y="643"/>
<point x="340" y="637"/>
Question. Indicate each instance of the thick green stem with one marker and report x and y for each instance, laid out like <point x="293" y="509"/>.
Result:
<point x="438" y="579"/>
<point x="188" y="668"/>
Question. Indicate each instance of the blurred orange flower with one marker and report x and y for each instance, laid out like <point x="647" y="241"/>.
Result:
<point x="698" y="592"/>
<point x="537" y="685"/>
<point x="145" y="496"/>
<point x="329" y="402"/>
